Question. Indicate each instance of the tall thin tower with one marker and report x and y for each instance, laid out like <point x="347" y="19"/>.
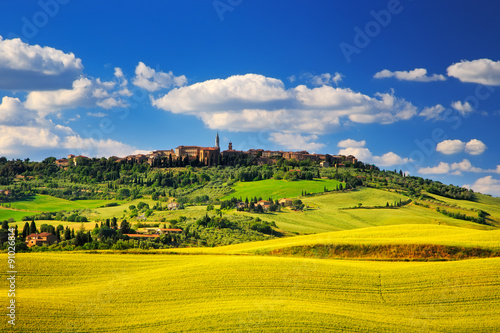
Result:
<point x="217" y="141"/>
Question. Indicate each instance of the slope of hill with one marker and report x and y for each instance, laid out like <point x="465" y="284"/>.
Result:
<point x="394" y="234"/>
<point x="341" y="211"/>
<point x="72" y="292"/>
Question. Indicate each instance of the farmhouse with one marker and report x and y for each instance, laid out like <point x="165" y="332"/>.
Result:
<point x="5" y="192"/>
<point x="173" y="206"/>
<point x="265" y="204"/>
<point x="141" y="236"/>
<point x="324" y="164"/>
<point x="62" y="162"/>
<point x="45" y="238"/>
<point x="285" y="202"/>
<point x="163" y="231"/>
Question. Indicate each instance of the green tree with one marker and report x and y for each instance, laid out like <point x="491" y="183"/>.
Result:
<point x="67" y="234"/>
<point x="5" y="224"/>
<point x="26" y="229"/>
<point x="125" y="227"/>
<point x="124" y="192"/>
<point x="33" y="227"/>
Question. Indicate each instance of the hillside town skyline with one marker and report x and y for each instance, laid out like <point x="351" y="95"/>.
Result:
<point x="213" y="156"/>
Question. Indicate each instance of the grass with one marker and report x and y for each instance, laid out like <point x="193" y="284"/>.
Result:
<point x="484" y="202"/>
<point x="325" y="213"/>
<point x="278" y="189"/>
<point x="75" y="292"/>
<point x="419" y="234"/>
<point x="6" y="214"/>
<point x="45" y="203"/>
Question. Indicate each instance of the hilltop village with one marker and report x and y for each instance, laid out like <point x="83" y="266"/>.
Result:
<point x="213" y="156"/>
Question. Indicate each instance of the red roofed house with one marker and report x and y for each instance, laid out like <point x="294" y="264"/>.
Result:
<point x="141" y="236"/>
<point x="162" y="231"/>
<point x="285" y="202"/>
<point x="265" y="204"/>
<point x="45" y="238"/>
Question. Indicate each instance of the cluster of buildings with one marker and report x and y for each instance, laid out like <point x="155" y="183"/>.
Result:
<point x="211" y="156"/>
<point x="46" y="238"/>
<point x="154" y="233"/>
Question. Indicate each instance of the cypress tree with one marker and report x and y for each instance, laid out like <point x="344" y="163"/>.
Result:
<point x="26" y="229"/>
<point x="67" y="234"/>
<point x="33" y="227"/>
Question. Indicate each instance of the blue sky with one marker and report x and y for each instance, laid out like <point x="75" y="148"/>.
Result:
<point x="406" y="85"/>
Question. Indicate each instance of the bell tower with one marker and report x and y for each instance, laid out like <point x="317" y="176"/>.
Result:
<point x="217" y="141"/>
<point x="230" y="146"/>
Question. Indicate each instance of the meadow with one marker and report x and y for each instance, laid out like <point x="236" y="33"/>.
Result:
<point x="273" y="285"/>
<point x="45" y="203"/>
<point x="77" y="292"/>
<point x="278" y="189"/>
<point x="333" y="212"/>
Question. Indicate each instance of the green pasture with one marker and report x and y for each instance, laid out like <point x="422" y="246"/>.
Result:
<point x="327" y="213"/>
<point x="6" y="214"/>
<point x="487" y="203"/>
<point x="278" y="189"/>
<point x="45" y="203"/>
<point x="75" y="292"/>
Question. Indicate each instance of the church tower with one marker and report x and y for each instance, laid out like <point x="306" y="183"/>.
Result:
<point x="217" y="141"/>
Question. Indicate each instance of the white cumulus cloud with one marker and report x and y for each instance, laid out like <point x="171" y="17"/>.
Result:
<point x="33" y="67"/>
<point x="349" y="143"/>
<point x="84" y="93"/>
<point x="255" y="102"/>
<point x="482" y="71"/>
<point x="13" y="113"/>
<point x="433" y="112"/>
<point x="326" y="79"/>
<point x="389" y="159"/>
<point x="366" y="156"/>
<point x="475" y="147"/>
<point x="418" y="74"/>
<point x="442" y="168"/>
<point x="462" y="108"/>
<point x="453" y="168"/>
<point x="450" y="147"/>
<point x="151" y="80"/>
<point x="486" y="185"/>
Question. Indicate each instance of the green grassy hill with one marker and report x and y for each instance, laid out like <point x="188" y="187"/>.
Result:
<point x="74" y="292"/>
<point x="330" y="212"/>
<point x="278" y="189"/>
<point x="263" y="286"/>
<point x="44" y="203"/>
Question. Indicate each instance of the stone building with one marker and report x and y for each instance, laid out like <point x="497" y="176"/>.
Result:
<point x="44" y="238"/>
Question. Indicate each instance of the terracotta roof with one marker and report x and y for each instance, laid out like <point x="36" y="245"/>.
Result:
<point x="141" y="235"/>
<point x="166" y="229"/>
<point x="43" y="234"/>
